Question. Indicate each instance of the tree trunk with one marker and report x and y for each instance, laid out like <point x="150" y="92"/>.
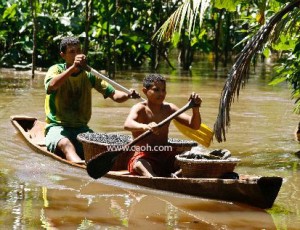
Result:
<point x="33" y="4"/>
<point x="88" y="16"/>
<point x="108" y="59"/>
<point x="217" y="39"/>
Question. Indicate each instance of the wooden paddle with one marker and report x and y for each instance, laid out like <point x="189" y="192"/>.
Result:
<point x="113" y="83"/>
<point x="203" y="135"/>
<point x="103" y="162"/>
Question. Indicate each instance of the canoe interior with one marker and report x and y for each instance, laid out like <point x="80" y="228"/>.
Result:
<point x="253" y="190"/>
<point x="32" y="130"/>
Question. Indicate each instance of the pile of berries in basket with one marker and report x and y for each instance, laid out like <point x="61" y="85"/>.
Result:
<point x="202" y="164"/>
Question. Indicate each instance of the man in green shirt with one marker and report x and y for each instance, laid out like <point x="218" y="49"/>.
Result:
<point x="68" y="103"/>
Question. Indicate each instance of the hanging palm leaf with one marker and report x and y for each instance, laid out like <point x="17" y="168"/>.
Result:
<point x="188" y="12"/>
<point x="239" y="73"/>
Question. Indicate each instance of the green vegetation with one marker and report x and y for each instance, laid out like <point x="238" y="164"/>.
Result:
<point x="127" y="34"/>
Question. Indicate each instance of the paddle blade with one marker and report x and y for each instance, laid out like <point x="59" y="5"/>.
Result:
<point x="203" y="135"/>
<point x="101" y="164"/>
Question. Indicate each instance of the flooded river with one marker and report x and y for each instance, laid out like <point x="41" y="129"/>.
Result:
<point x="39" y="193"/>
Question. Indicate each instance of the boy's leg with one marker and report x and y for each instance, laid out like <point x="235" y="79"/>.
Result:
<point x="68" y="149"/>
<point x="77" y="144"/>
<point x="59" y="139"/>
<point x="143" y="168"/>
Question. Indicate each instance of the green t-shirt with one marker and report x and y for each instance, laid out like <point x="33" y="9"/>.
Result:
<point x="71" y="104"/>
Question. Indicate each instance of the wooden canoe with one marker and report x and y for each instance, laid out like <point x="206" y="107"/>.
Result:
<point x="258" y="191"/>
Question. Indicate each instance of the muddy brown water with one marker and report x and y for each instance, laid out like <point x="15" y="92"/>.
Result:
<point x="39" y="193"/>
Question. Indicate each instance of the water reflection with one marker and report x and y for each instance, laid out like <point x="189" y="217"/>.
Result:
<point x="17" y="204"/>
<point x="94" y="206"/>
<point x="135" y="211"/>
<point x="13" y="84"/>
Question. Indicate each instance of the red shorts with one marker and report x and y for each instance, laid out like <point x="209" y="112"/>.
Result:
<point x="162" y="163"/>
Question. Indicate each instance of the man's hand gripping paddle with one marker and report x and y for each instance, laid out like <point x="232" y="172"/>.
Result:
<point x="103" y="162"/>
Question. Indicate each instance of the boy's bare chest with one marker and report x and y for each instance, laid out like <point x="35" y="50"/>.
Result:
<point x="156" y="116"/>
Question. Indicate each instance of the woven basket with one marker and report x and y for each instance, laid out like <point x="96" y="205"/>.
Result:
<point x="92" y="146"/>
<point x="181" y="145"/>
<point x="205" y="168"/>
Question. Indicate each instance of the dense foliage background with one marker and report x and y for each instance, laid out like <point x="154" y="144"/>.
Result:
<point x="123" y="34"/>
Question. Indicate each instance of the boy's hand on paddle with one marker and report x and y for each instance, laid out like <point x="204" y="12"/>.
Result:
<point x="134" y="94"/>
<point x="153" y="128"/>
<point x="80" y="61"/>
<point x="196" y="99"/>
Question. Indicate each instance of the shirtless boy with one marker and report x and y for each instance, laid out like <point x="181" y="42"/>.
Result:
<point x="145" y="116"/>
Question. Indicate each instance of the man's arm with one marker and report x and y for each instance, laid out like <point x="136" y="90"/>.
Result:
<point x="120" y="96"/>
<point x="56" y="82"/>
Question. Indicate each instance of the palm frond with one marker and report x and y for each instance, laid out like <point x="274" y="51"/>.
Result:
<point x="238" y="75"/>
<point x="188" y="12"/>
